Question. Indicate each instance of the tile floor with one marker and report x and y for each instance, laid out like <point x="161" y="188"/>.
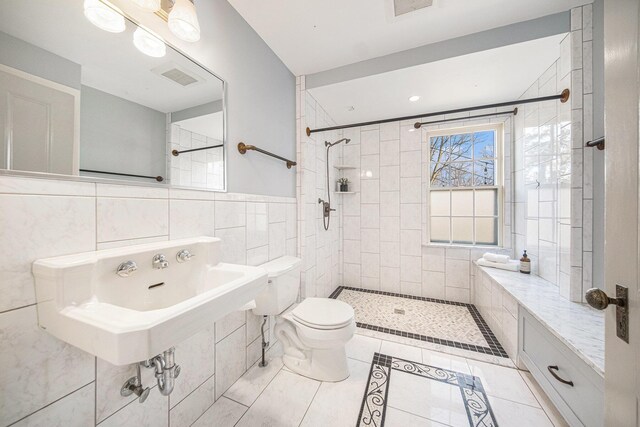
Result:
<point x="274" y="396"/>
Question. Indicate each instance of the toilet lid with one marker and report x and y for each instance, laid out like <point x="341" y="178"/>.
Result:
<point x="323" y="313"/>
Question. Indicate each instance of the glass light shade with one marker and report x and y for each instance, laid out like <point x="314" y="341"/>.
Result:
<point x="148" y="5"/>
<point x="183" y="21"/>
<point x="148" y="43"/>
<point x="103" y="16"/>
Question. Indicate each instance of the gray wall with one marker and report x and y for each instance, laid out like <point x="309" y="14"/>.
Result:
<point x="117" y="135"/>
<point x="26" y="57"/>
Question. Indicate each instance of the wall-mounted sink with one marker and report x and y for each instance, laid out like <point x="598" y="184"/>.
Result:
<point x="124" y="306"/>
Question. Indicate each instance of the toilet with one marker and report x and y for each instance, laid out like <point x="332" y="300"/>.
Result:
<point x="314" y="332"/>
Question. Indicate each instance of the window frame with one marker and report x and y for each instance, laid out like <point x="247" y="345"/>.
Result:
<point x="498" y="128"/>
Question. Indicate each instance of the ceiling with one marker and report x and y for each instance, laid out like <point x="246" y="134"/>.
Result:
<point x="311" y="36"/>
<point x="490" y="76"/>
<point x="110" y="62"/>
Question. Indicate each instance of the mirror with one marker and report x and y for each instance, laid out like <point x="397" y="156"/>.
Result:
<point x="116" y="103"/>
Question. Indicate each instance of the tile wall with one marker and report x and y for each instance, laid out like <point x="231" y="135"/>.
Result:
<point x="320" y="249"/>
<point x="45" y="381"/>
<point x="553" y="173"/>
<point x="199" y="169"/>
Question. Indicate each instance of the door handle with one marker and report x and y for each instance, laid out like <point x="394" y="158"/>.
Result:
<point x="598" y="299"/>
<point x="552" y="370"/>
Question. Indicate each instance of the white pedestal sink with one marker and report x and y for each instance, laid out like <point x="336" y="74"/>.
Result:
<point x="83" y="301"/>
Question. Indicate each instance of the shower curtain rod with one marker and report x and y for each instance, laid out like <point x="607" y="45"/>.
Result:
<point x="563" y="97"/>
<point x="499" y="113"/>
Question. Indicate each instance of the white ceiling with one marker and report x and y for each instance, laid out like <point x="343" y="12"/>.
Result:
<point x="311" y="36"/>
<point x="110" y="62"/>
<point x="486" y="77"/>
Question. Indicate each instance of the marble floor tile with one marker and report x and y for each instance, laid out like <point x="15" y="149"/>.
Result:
<point x="249" y="386"/>
<point x="334" y="405"/>
<point x="543" y="400"/>
<point x="428" y="399"/>
<point x="223" y="413"/>
<point x="398" y="418"/>
<point x="445" y="361"/>
<point x="504" y="383"/>
<point x="297" y="391"/>
<point x="362" y="348"/>
<point x="402" y="351"/>
<point x="512" y="414"/>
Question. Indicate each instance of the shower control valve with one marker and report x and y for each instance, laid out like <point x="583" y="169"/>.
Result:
<point x="184" y="256"/>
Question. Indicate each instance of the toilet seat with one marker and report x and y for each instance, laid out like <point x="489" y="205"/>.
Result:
<point x="323" y="313"/>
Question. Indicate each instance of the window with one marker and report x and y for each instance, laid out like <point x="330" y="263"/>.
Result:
<point x="464" y="186"/>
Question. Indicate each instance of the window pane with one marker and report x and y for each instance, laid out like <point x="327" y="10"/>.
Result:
<point x="484" y="172"/>
<point x="462" y="203"/>
<point x="440" y="203"/>
<point x="440" y="175"/>
<point x="462" y="230"/>
<point x="461" y="147"/>
<point x="461" y="174"/>
<point x="484" y="144"/>
<point x="487" y="231"/>
<point x="440" y="229"/>
<point x="486" y="202"/>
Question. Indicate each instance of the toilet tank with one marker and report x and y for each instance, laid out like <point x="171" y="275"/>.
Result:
<point x="282" y="288"/>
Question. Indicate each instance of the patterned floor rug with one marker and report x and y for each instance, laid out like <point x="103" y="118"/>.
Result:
<point x="446" y="326"/>
<point x="423" y="390"/>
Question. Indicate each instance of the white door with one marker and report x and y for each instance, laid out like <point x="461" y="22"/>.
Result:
<point x="622" y="367"/>
<point x="38" y="124"/>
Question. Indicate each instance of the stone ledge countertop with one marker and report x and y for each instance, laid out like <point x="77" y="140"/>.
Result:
<point x="577" y="325"/>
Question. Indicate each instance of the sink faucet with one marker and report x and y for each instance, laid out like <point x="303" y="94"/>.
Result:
<point x="159" y="262"/>
<point x="126" y="269"/>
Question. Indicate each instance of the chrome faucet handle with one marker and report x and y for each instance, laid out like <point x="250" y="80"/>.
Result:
<point x="126" y="269"/>
<point x="184" y="256"/>
<point x="159" y="262"/>
<point x="134" y="386"/>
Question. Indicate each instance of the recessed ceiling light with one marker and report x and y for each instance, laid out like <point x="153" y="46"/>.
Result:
<point x="414" y="98"/>
<point x="350" y="108"/>
<point x="104" y="16"/>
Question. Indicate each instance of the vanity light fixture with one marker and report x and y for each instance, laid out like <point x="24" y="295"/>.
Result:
<point x="148" y="5"/>
<point x="148" y="43"/>
<point x="414" y="98"/>
<point x="183" y="21"/>
<point x="104" y="15"/>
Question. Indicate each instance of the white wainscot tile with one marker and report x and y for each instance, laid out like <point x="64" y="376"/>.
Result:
<point x="193" y="406"/>
<point x="433" y="259"/>
<point x="457" y="273"/>
<point x="223" y="413"/>
<point x="269" y="410"/>
<point x="351" y="251"/>
<point x="351" y="227"/>
<point x="277" y="212"/>
<point x="54" y="226"/>
<point x="389" y="131"/>
<point x="410" y="165"/>
<point x="250" y="385"/>
<point x="390" y="153"/>
<point x="410" y="190"/>
<point x="259" y="255"/>
<point x="410" y="216"/>
<point x="153" y="412"/>
<point x="409" y="141"/>
<point x="131" y="191"/>
<point x="196" y="357"/>
<point x="433" y="284"/>
<point x="257" y="225"/>
<point x="231" y="361"/>
<point x="291" y="216"/>
<point x="370" y="167"/>
<point x="277" y="240"/>
<point x="370" y="215"/>
<point x="234" y="246"/>
<point x="370" y="191"/>
<point x="190" y="218"/>
<point x="28" y="352"/>
<point x="390" y="254"/>
<point x="370" y="265"/>
<point x="229" y="324"/>
<point x="73" y="410"/>
<point x="370" y="240"/>
<point x="369" y="142"/>
<point x="121" y="219"/>
<point x="410" y="243"/>
<point x="390" y="229"/>
<point x="351" y="275"/>
<point x="390" y="203"/>
<point x="25" y="186"/>
<point x="229" y="214"/>
<point x="390" y="279"/>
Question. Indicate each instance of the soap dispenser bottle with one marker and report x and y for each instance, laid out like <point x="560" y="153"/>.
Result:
<point x="525" y="264"/>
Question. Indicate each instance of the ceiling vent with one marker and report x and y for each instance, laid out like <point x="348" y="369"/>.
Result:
<point x="400" y="7"/>
<point x="178" y="74"/>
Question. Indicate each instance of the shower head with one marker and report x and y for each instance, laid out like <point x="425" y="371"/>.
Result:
<point x="329" y="144"/>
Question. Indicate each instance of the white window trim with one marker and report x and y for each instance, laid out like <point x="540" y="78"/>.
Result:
<point x="426" y="184"/>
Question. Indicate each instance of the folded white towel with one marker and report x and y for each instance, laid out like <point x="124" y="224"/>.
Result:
<point x="502" y="259"/>
<point x="510" y="266"/>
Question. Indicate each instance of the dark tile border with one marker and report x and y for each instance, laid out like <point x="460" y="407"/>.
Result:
<point x="494" y="349"/>
<point x="376" y="395"/>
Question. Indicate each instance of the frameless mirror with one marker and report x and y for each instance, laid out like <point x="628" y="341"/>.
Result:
<point x="104" y="98"/>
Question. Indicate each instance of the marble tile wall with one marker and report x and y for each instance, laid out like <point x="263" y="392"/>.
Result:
<point x="552" y="173"/>
<point x="384" y="221"/>
<point x="320" y="249"/>
<point x="47" y="382"/>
